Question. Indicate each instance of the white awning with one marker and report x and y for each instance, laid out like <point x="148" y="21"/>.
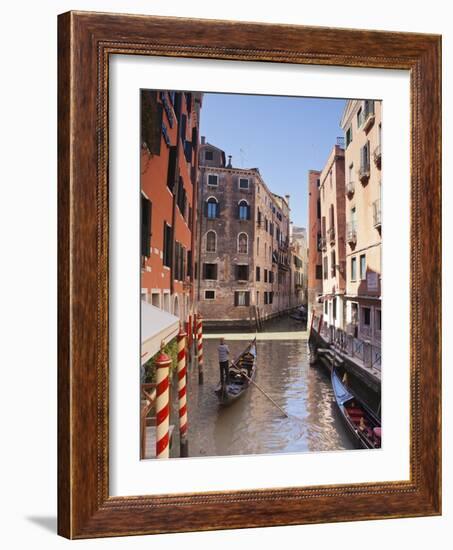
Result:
<point x="156" y="325"/>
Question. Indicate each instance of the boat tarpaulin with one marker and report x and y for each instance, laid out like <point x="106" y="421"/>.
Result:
<point x="156" y="325"/>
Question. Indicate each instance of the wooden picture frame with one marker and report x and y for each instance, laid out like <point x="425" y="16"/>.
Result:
<point x="85" y="41"/>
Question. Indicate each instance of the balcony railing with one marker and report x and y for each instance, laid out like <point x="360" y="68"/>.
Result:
<point x="351" y="233"/>
<point x="331" y="233"/>
<point x="377" y="156"/>
<point x="350" y="188"/>
<point x="367" y="350"/>
<point x="377" y="213"/>
<point x="364" y="172"/>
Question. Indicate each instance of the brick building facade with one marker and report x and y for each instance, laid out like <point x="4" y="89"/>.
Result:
<point x="243" y="236"/>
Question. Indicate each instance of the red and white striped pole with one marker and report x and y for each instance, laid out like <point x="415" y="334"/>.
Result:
<point x="163" y="363"/>
<point x="200" y="348"/>
<point x="182" y="391"/>
<point x="189" y="340"/>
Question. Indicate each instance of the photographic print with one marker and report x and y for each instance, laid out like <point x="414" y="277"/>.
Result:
<point x="261" y="274"/>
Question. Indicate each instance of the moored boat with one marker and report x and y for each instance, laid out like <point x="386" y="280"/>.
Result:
<point x="241" y="372"/>
<point x="361" y="421"/>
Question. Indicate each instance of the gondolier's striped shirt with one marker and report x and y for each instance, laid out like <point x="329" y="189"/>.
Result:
<point x="223" y="353"/>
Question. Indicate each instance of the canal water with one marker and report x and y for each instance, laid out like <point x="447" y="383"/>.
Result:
<point x="252" y="424"/>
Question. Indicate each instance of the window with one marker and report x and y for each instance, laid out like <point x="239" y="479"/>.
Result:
<point x="271" y="276"/>
<point x="180" y="262"/>
<point x="325" y="267"/>
<point x="271" y="297"/>
<point x="365" y="157"/>
<point x="353" y="268"/>
<point x="212" y="208"/>
<point x="243" y="243"/>
<point x="363" y="267"/>
<point x="211" y="241"/>
<point x="209" y="155"/>
<point x="257" y="298"/>
<point x="210" y="272"/>
<point x="209" y="294"/>
<point x="265" y="275"/>
<point x="244" y="210"/>
<point x="242" y="272"/>
<point x="359" y="117"/>
<point x="318" y="209"/>
<point x="182" y="198"/>
<point x="266" y="298"/>
<point x="258" y="274"/>
<point x="348" y="135"/>
<point x="319" y="272"/>
<point x="334" y="303"/>
<point x="333" y="262"/>
<point x="318" y="242"/>
<point x="366" y="316"/>
<point x="242" y="298"/>
<point x="171" y="172"/>
<point x="167" y="248"/>
<point x="213" y="180"/>
<point x="243" y="183"/>
<point x="146" y="214"/>
<point x="326" y="307"/>
<point x="257" y="246"/>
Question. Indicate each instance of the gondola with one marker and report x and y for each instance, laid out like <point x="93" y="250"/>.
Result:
<point x="237" y="383"/>
<point x="362" y="423"/>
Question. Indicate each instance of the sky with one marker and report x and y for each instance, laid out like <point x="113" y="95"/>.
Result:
<point x="284" y="137"/>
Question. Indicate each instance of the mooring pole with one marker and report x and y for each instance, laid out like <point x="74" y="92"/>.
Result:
<point x="182" y="393"/>
<point x="163" y="363"/>
<point x="200" y="348"/>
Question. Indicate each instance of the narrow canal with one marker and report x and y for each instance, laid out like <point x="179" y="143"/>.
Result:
<point x="253" y="425"/>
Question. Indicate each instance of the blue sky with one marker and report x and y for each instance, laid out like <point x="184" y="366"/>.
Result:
<point x="282" y="136"/>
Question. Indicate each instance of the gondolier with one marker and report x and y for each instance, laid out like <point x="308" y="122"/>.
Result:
<point x="235" y="376"/>
<point x="224" y="352"/>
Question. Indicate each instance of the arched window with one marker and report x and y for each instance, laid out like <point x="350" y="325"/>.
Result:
<point x="244" y="210"/>
<point x="212" y="208"/>
<point x="211" y="241"/>
<point x="243" y="243"/>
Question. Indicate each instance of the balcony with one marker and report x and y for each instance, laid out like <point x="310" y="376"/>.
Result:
<point x="367" y="116"/>
<point x="331" y="233"/>
<point x="364" y="173"/>
<point x="323" y="244"/>
<point x="377" y="156"/>
<point x="377" y="213"/>
<point x="350" y="188"/>
<point x="351" y="233"/>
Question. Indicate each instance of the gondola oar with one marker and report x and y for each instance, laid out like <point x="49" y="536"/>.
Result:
<point x="242" y="372"/>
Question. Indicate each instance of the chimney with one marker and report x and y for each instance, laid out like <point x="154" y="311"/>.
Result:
<point x="287" y="199"/>
<point x="203" y="140"/>
<point x="229" y="162"/>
